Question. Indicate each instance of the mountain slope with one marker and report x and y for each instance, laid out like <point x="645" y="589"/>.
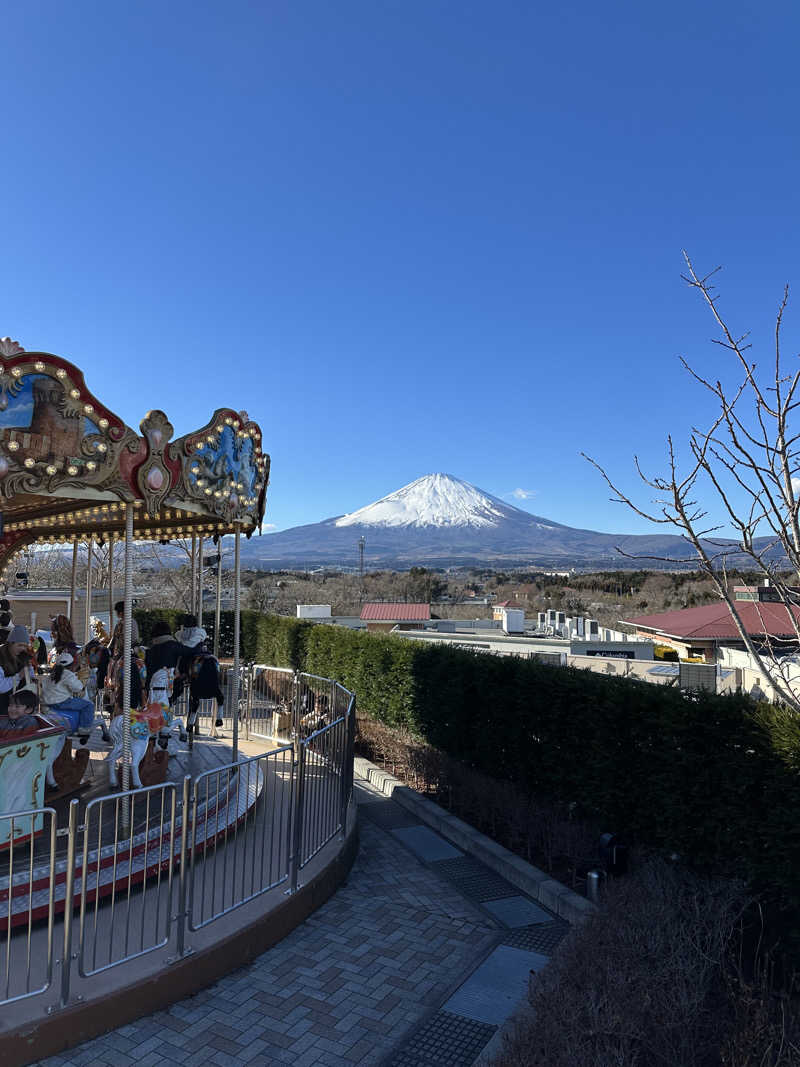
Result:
<point x="439" y="520"/>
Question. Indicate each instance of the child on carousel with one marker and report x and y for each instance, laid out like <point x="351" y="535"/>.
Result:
<point x="19" y="717"/>
<point x="62" y="693"/>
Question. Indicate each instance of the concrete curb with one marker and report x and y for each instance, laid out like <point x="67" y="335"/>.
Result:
<point x="566" y="903"/>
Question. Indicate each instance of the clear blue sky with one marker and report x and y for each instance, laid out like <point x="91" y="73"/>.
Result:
<point x="406" y="236"/>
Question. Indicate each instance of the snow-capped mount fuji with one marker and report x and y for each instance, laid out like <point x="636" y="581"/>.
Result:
<point x="436" y="500"/>
<point x="439" y="520"/>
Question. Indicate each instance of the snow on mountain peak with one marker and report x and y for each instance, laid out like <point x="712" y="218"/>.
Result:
<point x="433" y="500"/>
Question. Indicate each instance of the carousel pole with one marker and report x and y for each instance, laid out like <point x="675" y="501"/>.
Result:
<point x="236" y="615"/>
<point x="200" y="542"/>
<point x="110" y="583"/>
<point x="194" y="575"/>
<point x="218" y="607"/>
<point x="73" y="587"/>
<point x="126" y="669"/>
<point x="87" y="615"/>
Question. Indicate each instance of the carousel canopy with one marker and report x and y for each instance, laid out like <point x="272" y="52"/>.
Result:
<point x="69" y="465"/>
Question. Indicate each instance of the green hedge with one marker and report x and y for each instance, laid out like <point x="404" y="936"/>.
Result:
<point x="716" y="779"/>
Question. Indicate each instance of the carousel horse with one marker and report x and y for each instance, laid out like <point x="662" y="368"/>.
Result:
<point x="154" y="723"/>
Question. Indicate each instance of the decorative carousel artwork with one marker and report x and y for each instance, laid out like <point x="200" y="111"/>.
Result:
<point x="52" y="430"/>
<point x="223" y="466"/>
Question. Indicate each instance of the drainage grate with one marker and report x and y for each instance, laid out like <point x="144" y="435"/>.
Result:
<point x="426" y="844"/>
<point x="474" y="879"/>
<point x="445" y="1041"/>
<point x="544" y="938"/>
<point x="518" y="911"/>
<point x="387" y="815"/>
<point x="492" y="991"/>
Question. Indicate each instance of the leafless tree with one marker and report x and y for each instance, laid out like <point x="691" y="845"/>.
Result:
<point x="747" y="461"/>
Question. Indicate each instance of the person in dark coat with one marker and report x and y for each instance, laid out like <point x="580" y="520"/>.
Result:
<point x="163" y="651"/>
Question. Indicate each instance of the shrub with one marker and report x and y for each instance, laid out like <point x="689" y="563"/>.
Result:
<point x="654" y="978"/>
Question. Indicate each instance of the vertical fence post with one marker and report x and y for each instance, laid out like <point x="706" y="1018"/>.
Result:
<point x="297" y="813"/>
<point x="251" y="681"/>
<point x="295" y="705"/>
<point x="346" y="769"/>
<point x="69" y="902"/>
<point x="182" y="917"/>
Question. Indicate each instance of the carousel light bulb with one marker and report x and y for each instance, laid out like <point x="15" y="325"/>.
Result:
<point x="74" y="393"/>
<point x="195" y="470"/>
<point x="101" y="447"/>
<point x="30" y="462"/>
<point x="91" y="465"/>
<point x="88" y="408"/>
<point x="51" y="469"/>
<point x="228" y="420"/>
<point x="201" y="482"/>
<point x="13" y="446"/>
<point x="207" y="492"/>
<point x="61" y="373"/>
<point x="38" y="365"/>
<point x="103" y="424"/>
<point x="16" y="371"/>
<point x="210" y="439"/>
<point x="72" y="470"/>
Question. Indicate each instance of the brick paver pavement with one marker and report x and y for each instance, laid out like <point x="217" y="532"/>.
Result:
<point x="343" y="988"/>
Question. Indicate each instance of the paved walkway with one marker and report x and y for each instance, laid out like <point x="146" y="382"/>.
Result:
<point x="415" y="961"/>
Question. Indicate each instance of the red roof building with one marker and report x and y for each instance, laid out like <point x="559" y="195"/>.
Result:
<point x="699" y="631"/>
<point x="387" y="616"/>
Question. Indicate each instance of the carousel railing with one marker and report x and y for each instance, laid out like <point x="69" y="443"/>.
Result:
<point x="126" y="876"/>
<point x="26" y="966"/>
<point x="149" y="866"/>
<point x="237" y="860"/>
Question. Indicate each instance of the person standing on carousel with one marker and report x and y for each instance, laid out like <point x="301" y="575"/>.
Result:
<point x="64" y="641"/>
<point x="115" y="647"/>
<point x="114" y="677"/>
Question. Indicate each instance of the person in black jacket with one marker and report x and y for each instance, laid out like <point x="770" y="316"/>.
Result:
<point x="163" y="651"/>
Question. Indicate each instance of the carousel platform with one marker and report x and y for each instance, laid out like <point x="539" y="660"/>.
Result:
<point x="118" y="855"/>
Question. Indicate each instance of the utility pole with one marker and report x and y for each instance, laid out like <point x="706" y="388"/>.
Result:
<point x="361" y="544"/>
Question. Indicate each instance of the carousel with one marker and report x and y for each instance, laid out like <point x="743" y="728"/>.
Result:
<point x="72" y="471"/>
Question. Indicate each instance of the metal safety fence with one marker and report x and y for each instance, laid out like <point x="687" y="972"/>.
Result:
<point x="147" y="868"/>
